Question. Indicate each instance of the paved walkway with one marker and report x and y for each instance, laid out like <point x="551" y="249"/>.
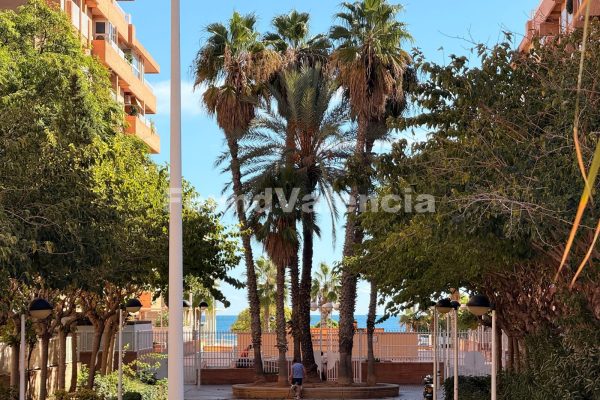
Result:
<point x="218" y="392"/>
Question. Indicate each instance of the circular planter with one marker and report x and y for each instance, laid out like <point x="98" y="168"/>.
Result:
<point x="379" y="391"/>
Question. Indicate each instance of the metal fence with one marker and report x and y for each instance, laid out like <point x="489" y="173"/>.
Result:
<point x="234" y="350"/>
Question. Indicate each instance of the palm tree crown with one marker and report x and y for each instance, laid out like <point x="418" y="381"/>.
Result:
<point x="369" y="59"/>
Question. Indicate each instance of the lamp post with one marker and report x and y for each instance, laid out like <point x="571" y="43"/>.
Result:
<point x="435" y="353"/>
<point x="479" y="305"/>
<point x="443" y="306"/>
<point x="131" y="307"/>
<point x="39" y="309"/>
<point x="325" y="309"/>
<point x="455" y="306"/>
<point x="203" y="306"/>
<point x="175" y="343"/>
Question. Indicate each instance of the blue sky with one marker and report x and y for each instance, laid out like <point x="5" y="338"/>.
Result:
<point x="439" y="28"/>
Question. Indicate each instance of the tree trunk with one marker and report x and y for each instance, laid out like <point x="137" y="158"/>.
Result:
<point x="110" y="360"/>
<point x="281" y="327"/>
<point x="308" y="355"/>
<point x="44" y="366"/>
<point x="253" y="298"/>
<point x="62" y="358"/>
<point x="295" y="291"/>
<point x="74" y="359"/>
<point x="15" y="352"/>
<point x="517" y="354"/>
<point x="99" y="330"/>
<point x="349" y="278"/>
<point x="108" y="332"/>
<point x="371" y="378"/>
<point x="511" y="355"/>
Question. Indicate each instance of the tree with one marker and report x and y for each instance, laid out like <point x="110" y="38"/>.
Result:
<point x="370" y="65"/>
<point x="307" y="132"/>
<point x="234" y="63"/>
<point x="325" y="288"/>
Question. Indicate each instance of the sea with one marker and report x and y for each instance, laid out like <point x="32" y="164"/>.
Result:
<point x="391" y="324"/>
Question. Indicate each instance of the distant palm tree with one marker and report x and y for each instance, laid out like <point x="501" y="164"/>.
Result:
<point x="370" y="65"/>
<point x="326" y="287"/>
<point x="234" y="63"/>
<point x="266" y="278"/>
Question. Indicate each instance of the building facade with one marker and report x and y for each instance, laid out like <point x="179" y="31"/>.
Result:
<point x="555" y="17"/>
<point x="108" y="33"/>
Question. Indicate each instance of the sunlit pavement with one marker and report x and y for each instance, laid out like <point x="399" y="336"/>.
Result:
<point x="223" y="392"/>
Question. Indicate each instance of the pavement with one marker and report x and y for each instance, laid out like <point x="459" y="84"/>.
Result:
<point x="223" y="392"/>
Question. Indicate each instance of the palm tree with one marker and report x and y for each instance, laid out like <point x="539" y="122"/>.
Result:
<point x="370" y="65"/>
<point x="298" y="49"/>
<point x="234" y="64"/>
<point x="325" y="287"/>
<point x="275" y="227"/>
<point x="292" y="39"/>
<point x="306" y="113"/>
<point x="266" y="277"/>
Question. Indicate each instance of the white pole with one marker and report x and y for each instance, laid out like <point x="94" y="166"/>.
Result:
<point x="435" y="355"/>
<point x="200" y="349"/>
<point x="120" y="384"/>
<point x="175" y="342"/>
<point x="494" y="355"/>
<point x="455" y="348"/>
<point x="447" y="348"/>
<point x="22" y="360"/>
<point x="321" y="341"/>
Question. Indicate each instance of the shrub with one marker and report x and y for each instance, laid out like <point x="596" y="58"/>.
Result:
<point x="132" y="396"/>
<point x="470" y="387"/>
<point x="8" y="393"/>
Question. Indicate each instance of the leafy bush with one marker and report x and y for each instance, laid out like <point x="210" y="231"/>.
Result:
<point x="81" y="394"/>
<point x="8" y="393"/>
<point x="132" y="396"/>
<point x="470" y="387"/>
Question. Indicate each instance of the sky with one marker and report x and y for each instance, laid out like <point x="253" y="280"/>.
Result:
<point x="439" y="28"/>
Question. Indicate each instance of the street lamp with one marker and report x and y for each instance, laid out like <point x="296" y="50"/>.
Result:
<point x="444" y="306"/>
<point x="39" y="309"/>
<point x="203" y="307"/>
<point x="435" y="352"/>
<point x="479" y="305"/>
<point x="175" y="345"/>
<point x="455" y="306"/>
<point x="325" y="310"/>
<point x="131" y="307"/>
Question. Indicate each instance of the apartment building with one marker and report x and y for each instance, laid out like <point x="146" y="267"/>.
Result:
<point x="556" y="17"/>
<point x="107" y="31"/>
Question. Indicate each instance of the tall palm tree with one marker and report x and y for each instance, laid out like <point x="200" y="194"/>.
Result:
<point x="370" y="64"/>
<point x="234" y="63"/>
<point x="307" y="113"/>
<point x="292" y="40"/>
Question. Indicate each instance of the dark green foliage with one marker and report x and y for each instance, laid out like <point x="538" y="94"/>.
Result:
<point x="470" y="387"/>
<point x="563" y="367"/>
<point x="132" y="396"/>
<point x="80" y="394"/>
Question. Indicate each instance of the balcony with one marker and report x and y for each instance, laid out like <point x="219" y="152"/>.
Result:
<point x="110" y="10"/>
<point x="138" y="127"/>
<point x="113" y="57"/>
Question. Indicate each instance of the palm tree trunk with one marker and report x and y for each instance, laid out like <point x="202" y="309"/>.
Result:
<point x="349" y="278"/>
<point x="281" y="327"/>
<point x="511" y="355"/>
<point x="294" y="280"/>
<point x="371" y="378"/>
<point x="14" y="365"/>
<point x="308" y="355"/>
<point x="253" y="298"/>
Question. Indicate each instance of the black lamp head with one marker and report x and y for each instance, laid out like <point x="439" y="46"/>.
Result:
<point x="40" y="309"/>
<point x="133" y="305"/>
<point x="444" y="306"/>
<point x="479" y="304"/>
